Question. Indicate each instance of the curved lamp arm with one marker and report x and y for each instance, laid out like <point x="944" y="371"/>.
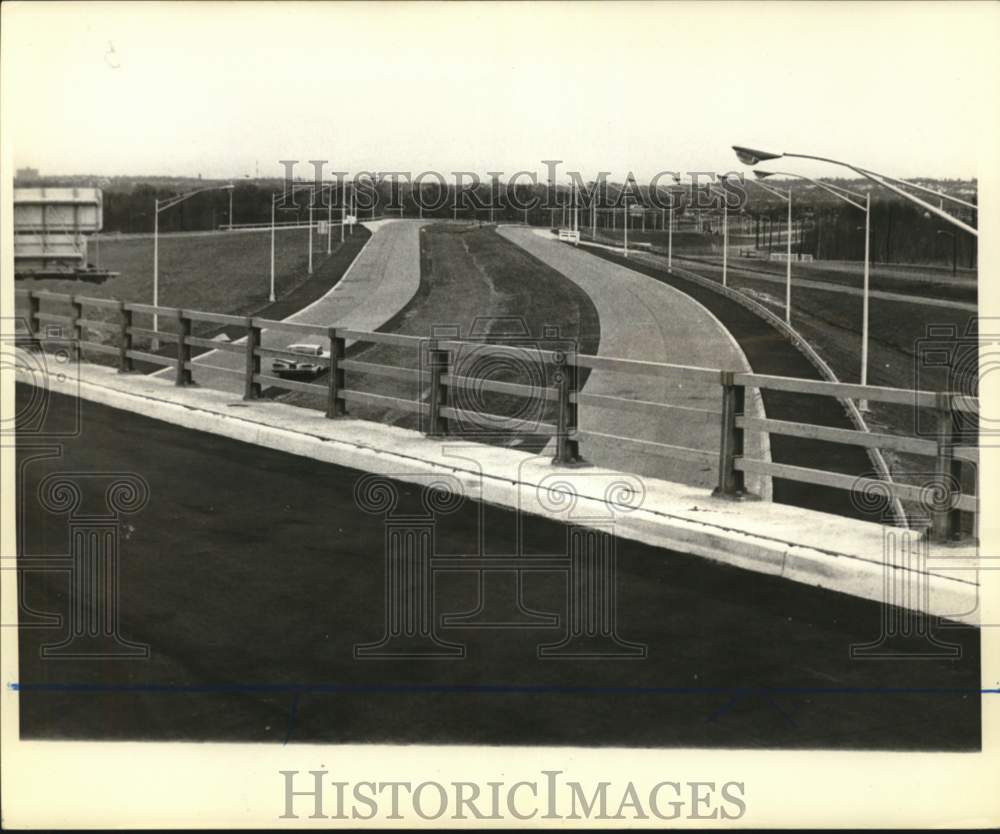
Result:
<point x="161" y="205"/>
<point x="750" y="156"/>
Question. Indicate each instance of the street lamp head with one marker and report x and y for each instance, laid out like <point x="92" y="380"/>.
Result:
<point x="751" y="156"/>
<point x="763" y="174"/>
<point x="229" y="187"/>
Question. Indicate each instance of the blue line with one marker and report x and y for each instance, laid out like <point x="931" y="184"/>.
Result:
<point x="345" y="688"/>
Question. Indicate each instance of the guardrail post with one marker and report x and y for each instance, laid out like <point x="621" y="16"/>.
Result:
<point x="567" y="446"/>
<point x="251" y="389"/>
<point x="731" y="480"/>
<point x="945" y="517"/>
<point x="438" y="425"/>
<point x="77" y="331"/>
<point x="335" y="404"/>
<point x="183" y="349"/>
<point x="124" y="339"/>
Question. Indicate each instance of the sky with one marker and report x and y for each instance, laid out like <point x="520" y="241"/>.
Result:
<point x="225" y="90"/>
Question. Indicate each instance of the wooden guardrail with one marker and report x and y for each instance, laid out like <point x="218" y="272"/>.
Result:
<point x="441" y="376"/>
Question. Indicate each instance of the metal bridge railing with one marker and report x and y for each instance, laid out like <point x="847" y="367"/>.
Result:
<point x="441" y="408"/>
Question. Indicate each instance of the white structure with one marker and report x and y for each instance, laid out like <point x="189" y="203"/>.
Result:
<point x="50" y="228"/>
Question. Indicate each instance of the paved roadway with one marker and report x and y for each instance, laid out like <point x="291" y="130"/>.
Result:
<point x="381" y="281"/>
<point x="251" y="574"/>
<point x="769" y="353"/>
<point x="646" y="320"/>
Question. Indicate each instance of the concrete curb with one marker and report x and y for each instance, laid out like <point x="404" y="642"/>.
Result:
<point x="754" y="536"/>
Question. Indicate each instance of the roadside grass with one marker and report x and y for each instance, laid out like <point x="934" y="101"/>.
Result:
<point x="694" y="243"/>
<point x="220" y="273"/>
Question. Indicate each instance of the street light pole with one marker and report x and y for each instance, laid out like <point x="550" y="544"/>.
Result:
<point x="270" y="296"/>
<point x="788" y="262"/>
<point x="852" y="198"/>
<point x="310" y="235"/>
<point x="863" y="404"/>
<point x="329" y="223"/>
<point x="725" y="234"/>
<point x="156" y="270"/>
<point x="670" y="237"/>
<point x="576" y="213"/>
<point x="625" y="211"/>
<point x="230" y="209"/>
<point x="725" y="240"/>
<point x="159" y="206"/>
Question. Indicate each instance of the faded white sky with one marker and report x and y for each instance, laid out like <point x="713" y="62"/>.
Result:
<point x="218" y="89"/>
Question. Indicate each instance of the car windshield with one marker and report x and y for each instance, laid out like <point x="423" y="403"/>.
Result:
<point x="307" y="350"/>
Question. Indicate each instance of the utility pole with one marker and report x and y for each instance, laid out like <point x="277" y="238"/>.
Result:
<point x="625" y="212"/>
<point x="270" y="296"/>
<point x="863" y="405"/>
<point x="670" y="237"/>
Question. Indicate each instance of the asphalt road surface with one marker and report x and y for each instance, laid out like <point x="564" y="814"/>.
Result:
<point x="647" y="320"/>
<point x="252" y="574"/>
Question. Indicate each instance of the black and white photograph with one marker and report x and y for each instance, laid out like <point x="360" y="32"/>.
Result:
<point x="479" y="414"/>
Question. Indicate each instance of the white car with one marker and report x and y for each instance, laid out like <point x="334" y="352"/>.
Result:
<point x="286" y="366"/>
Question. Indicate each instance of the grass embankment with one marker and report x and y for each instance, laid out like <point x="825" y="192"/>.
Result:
<point x="219" y="273"/>
<point x="694" y="243"/>
<point x="477" y="285"/>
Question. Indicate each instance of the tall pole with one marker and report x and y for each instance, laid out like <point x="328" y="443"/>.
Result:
<point x="725" y="241"/>
<point x="310" y="235"/>
<point x="156" y="270"/>
<point x="230" y="209"/>
<point x="625" y="211"/>
<point x="788" y="265"/>
<point x="670" y="238"/>
<point x="329" y="223"/>
<point x="863" y="405"/>
<point x="343" y="212"/>
<point x="270" y="296"/>
<point x="593" y="215"/>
